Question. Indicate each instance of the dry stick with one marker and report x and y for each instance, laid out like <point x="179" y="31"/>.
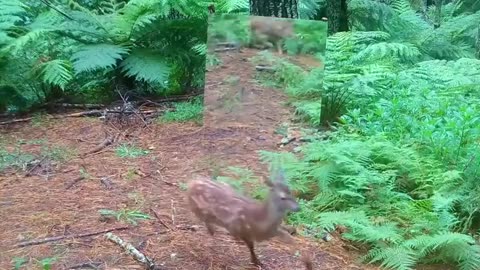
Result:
<point x="130" y="249"/>
<point x="58" y="238"/>
<point x="173" y="214"/>
<point x="165" y="181"/>
<point x="76" y="180"/>
<point x="16" y="121"/>
<point x="108" y="141"/>
<point x="159" y="219"/>
<point x="78" y="114"/>
<point x="34" y="166"/>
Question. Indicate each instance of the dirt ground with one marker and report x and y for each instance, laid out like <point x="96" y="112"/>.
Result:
<point x="241" y="117"/>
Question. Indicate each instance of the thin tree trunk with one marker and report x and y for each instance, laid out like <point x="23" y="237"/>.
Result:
<point x="274" y="8"/>
<point x="438" y="13"/>
<point x="337" y="11"/>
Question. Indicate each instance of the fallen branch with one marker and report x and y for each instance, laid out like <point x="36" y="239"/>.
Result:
<point x="58" y="238"/>
<point x="75" y="181"/>
<point x="108" y="141"/>
<point x="86" y="113"/>
<point x="16" y="121"/>
<point x="130" y="249"/>
<point x="226" y="49"/>
<point x="265" y="68"/>
<point x="82" y="106"/>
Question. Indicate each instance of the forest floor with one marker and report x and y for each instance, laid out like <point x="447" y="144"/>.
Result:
<point x="236" y="125"/>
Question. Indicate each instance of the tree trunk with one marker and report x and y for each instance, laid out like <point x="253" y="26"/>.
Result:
<point x="274" y="8"/>
<point x="337" y="11"/>
<point x="438" y="13"/>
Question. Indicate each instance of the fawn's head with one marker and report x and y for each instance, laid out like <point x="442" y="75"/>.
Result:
<point x="280" y="194"/>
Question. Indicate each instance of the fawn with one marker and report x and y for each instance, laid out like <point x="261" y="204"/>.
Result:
<point x="265" y="29"/>
<point x="244" y="218"/>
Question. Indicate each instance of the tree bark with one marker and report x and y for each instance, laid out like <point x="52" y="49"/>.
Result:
<point x="438" y="13"/>
<point x="274" y="8"/>
<point x="337" y="11"/>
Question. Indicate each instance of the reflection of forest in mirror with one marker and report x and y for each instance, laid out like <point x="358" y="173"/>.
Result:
<point x="249" y="56"/>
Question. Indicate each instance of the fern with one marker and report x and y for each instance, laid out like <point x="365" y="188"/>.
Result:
<point x="57" y="72"/>
<point x="398" y="258"/>
<point x="406" y="52"/>
<point x="146" y="65"/>
<point x="93" y="57"/>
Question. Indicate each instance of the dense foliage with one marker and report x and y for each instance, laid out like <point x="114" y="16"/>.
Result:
<point x="400" y="166"/>
<point x="86" y="50"/>
<point x="399" y="93"/>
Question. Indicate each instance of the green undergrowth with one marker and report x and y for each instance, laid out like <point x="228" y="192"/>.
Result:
<point x="16" y="158"/>
<point x="186" y="111"/>
<point x="399" y="167"/>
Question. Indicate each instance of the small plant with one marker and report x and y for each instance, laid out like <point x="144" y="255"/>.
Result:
<point x="46" y="263"/>
<point x="18" y="262"/>
<point x="57" y="153"/>
<point x="15" y="159"/>
<point x="185" y="111"/>
<point x="183" y="186"/>
<point x="128" y="151"/>
<point x="130" y="216"/>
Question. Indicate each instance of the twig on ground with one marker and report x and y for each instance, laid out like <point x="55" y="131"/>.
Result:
<point x="173" y="212"/>
<point x="130" y="249"/>
<point x="265" y="68"/>
<point x="159" y="219"/>
<point x="165" y="181"/>
<point x="75" y="181"/>
<point x="58" y="238"/>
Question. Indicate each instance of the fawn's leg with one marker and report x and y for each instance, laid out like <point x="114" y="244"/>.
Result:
<point x="285" y="236"/>
<point x="279" y="47"/>
<point x="253" y="256"/>
<point x="210" y="228"/>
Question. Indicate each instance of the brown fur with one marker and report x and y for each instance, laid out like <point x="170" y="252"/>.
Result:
<point x="244" y="218"/>
<point x="269" y="29"/>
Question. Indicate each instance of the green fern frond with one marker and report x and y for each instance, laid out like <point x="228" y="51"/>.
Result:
<point x="19" y="43"/>
<point x="99" y="56"/>
<point x="398" y="258"/>
<point x="10" y="12"/>
<point x="231" y="6"/>
<point x="146" y="65"/>
<point x="404" y="51"/>
<point x="57" y="72"/>
<point x="200" y="49"/>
